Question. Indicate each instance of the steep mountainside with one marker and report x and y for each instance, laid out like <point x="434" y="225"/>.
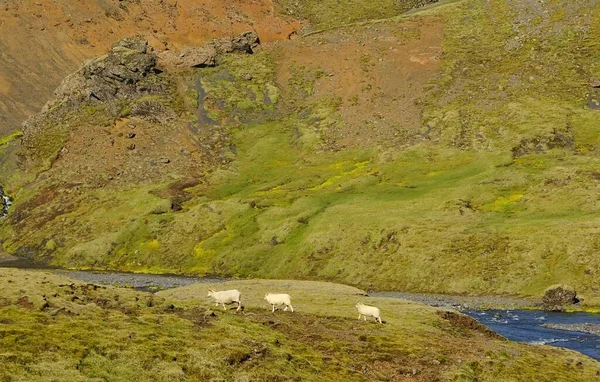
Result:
<point x="451" y="149"/>
<point x="45" y="40"/>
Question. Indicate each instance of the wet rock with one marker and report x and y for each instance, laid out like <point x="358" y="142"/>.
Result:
<point x="558" y="297"/>
<point x="585" y="327"/>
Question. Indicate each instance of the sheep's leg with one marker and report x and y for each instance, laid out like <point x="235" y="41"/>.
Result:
<point x="273" y="310"/>
<point x="224" y="308"/>
<point x="379" y="319"/>
<point x="365" y="318"/>
<point x="239" y="306"/>
<point x="291" y="308"/>
<point x="359" y="316"/>
<point x="285" y="309"/>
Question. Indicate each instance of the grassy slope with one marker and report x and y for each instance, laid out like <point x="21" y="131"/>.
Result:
<point x="501" y="197"/>
<point x="81" y="333"/>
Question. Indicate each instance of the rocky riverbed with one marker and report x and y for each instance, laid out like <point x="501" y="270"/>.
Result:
<point x="584" y="328"/>
<point x="146" y="282"/>
<point x="464" y="302"/>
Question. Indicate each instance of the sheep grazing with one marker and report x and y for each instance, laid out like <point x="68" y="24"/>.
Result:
<point x="366" y="310"/>
<point x="279" y="299"/>
<point x="226" y="297"/>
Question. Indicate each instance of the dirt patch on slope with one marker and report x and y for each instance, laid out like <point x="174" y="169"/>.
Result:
<point x="377" y="74"/>
<point x="44" y="41"/>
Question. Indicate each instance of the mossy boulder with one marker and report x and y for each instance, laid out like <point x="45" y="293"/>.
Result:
<point x="557" y="297"/>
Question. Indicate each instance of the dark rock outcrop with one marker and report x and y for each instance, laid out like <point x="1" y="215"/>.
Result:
<point x="561" y="139"/>
<point x="558" y="297"/>
<point x="124" y="72"/>
<point x="129" y="71"/>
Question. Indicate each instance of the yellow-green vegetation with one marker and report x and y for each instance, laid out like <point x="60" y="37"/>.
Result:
<point x="54" y="328"/>
<point x="4" y="140"/>
<point x="497" y="194"/>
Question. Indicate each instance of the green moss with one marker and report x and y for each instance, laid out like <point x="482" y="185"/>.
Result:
<point x="4" y="140"/>
<point x="240" y="89"/>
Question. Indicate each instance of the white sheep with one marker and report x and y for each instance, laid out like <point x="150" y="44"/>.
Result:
<point x="366" y="310"/>
<point x="226" y="297"/>
<point x="279" y="299"/>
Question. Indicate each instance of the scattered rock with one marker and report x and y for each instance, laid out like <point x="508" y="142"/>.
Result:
<point x="595" y="83"/>
<point x="557" y="297"/>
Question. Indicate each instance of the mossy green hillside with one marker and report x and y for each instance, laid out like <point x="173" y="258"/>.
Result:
<point x="499" y="196"/>
<point x="54" y="328"/>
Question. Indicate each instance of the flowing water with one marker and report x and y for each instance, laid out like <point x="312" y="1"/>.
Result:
<point x="526" y="326"/>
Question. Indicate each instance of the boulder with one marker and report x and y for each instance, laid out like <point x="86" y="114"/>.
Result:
<point x="207" y="54"/>
<point x="558" y="297"/>
<point x="197" y="57"/>
<point x="244" y="43"/>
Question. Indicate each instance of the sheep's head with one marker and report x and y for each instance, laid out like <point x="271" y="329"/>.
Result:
<point x="267" y="296"/>
<point x="210" y="293"/>
<point x="359" y="304"/>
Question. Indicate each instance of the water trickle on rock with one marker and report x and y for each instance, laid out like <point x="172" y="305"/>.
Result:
<point x="4" y="203"/>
